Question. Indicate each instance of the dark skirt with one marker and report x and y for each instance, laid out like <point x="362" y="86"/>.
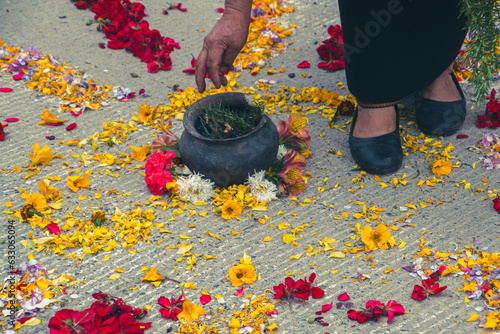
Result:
<point x="393" y="48"/>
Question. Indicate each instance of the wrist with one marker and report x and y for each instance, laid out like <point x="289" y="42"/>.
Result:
<point x="239" y="10"/>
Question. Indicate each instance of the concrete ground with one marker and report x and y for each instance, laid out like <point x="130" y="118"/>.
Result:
<point x="58" y="28"/>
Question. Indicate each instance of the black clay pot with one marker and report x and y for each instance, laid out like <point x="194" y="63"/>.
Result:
<point x="227" y="161"/>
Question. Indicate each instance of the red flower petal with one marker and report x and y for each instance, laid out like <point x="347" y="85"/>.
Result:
<point x="23" y="320"/>
<point x="142" y="91"/>
<point x="462" y="136"/>
<point x="53" y="228"/>
<point x="178" y="6"/>
<point x="76" y="113"/>
<point x="11" y="119"/>
<point x="153" y="67"/>
<point x="5" y="90"/>
<point x="18" y="76"/>
<point x="71" y="126"/>
<point x="188" y="70"/>
<point x="317" y="292"/>
<point x="239" y="293"/>
<point x="50" y="137"/>
<point x="343" y="297"/>
<point x="304" y="64"/>
<point x="205" y="299"/>
<point x="325" y="308"/>
<point x="220" y="10"/>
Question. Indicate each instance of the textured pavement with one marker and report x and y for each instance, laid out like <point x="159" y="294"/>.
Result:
<point x="449" y="226"/>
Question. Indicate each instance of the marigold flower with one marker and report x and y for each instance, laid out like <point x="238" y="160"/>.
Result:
<point x="231" y="209"/>
<point x="36" y="201"/>
<point x="375" y="240"/>
<point x="441" y="167"/>
<point x="41" y="156"/>
<point x="49" y="192"/>
<point x="140" y="153"/>
<point x="76" y="182"/>
<point x="153" y="277"/>
<point x="190" y="311"/>
<point x="50" y="119"/>
<point x="242" y="274"/>
<point x="146" y="114"/>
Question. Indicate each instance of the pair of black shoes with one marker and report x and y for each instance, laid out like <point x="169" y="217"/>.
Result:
<point x="383" y="154"/>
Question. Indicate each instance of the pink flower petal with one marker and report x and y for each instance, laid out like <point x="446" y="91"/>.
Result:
<point x="205" y="299"/>
<point x="304" y="64"/>
<point x="239" y="293"/>
<point x="71" y="127"/>
<point x="18" y="76"/>
<point x="11" y="119"/>
<point x="344" y="297"/>
<point x="5" y="90"/>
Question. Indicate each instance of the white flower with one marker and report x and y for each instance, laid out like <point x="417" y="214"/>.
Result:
<point x="194" y="188"/>
<point x="281" y="152"/>
<point x="263" y="190"/>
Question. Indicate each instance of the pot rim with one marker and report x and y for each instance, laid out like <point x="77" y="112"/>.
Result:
<point x="193" y="111"/>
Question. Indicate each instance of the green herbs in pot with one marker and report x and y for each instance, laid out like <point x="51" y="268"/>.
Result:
<point x="222" y="122"/>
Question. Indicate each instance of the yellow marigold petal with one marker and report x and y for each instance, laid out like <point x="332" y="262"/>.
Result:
<point x="473" y="317"/>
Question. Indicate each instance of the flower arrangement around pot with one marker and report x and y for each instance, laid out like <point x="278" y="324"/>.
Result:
<point x="166" y="170"/>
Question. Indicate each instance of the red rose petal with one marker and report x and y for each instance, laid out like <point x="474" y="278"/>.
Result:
<point x="18" y="76"/>
<point x="11" y="119"/>
<point x="317" y="292"/>
<point x="462" y="136"/>
<point x="53" y="228"/>
<point x="71" y="126"/>
<point x="188" y="70"/>
<point x="50" y="137"/>
<point x="344" y="297"/>
<point x="142" y="91"/>
<point x="220" y="10"/>
<point x="5" y="90"/>
<point x="325" y="308"/>
<point x="205" y="299"/>
<point x="239" y="293"/>
<point x="304" y="64"/>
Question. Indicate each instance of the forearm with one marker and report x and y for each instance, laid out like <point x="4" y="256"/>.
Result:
<point x="239" y="9"/>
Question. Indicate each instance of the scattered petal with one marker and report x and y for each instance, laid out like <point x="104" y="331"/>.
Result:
<point x="304" y="64"/>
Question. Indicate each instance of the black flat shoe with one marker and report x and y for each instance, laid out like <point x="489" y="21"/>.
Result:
<point x="377" y="155"/>
<point x="438" y="118"/>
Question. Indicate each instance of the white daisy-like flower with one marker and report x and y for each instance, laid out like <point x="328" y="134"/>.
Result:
<point x="281" y="152"/>
<point x="195" y="188"/>
<point x="263" y="189"/>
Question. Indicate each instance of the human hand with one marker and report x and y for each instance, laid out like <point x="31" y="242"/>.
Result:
<point x="222" y="45"/>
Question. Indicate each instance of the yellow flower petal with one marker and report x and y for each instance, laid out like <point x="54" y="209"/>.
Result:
<point x="114" y="276"/>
